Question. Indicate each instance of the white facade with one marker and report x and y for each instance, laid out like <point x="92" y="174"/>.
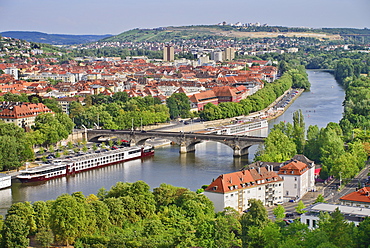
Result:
<point x="12" y="71"/>
<point x="235" y="189"/>
<point x="351" y="214"/>
<point x="5" y="181"/>
<point x="298" y="179"/>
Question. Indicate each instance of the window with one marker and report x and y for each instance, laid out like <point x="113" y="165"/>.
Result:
<point x="313" y="223"/>
<point x="295" y="185"/>
<point x="259" y="188"/>
<point x="308" y="222"/>
<point x="295" y="179"/>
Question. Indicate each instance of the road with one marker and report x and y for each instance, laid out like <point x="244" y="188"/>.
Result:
<point x="330" y="192"/>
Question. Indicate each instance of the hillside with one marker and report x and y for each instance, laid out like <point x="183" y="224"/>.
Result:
<point x="225" y="32"/>
<point x="54" y="39"/>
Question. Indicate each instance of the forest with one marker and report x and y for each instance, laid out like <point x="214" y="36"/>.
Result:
<point x="131" y="215"/>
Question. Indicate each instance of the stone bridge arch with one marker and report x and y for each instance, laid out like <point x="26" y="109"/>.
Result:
<point x="187" y="141"/>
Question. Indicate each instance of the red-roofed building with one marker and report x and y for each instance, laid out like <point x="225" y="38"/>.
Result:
<point x="299" y="178"/>
<point x="235" y="189"/>
<point x="22" y="114"/>
<point x="359" y="198"/>
<point x="200" y="99"/>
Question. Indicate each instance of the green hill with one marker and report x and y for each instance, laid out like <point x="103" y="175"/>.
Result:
<point x="53" y="39"/>
<point x="228" y="32"/>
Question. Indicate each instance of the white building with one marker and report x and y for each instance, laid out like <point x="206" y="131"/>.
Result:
<point x="217" y="56"/>
<point x="5" y="181"/>
<point x="12" y="71"/>
<point x="299" y="178"/>
<point x="351" y="214"/>
<point x="235" y="189"/>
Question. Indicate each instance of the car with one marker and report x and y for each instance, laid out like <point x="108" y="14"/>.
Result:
<point x="291" y="215"/>
<point x="288" y="221"/>
<point x="279" y="202"/>
<point x="186" y="122"/>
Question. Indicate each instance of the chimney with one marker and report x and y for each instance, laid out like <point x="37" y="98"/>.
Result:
<point x="259" y="170"/>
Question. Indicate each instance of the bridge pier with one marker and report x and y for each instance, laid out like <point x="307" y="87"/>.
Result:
<point x="238" y="152"/>
<point x="186" y="148"/>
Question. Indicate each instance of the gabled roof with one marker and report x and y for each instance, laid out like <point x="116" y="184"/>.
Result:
<point x="242" y="179"/>
<point x="361" y="195"/>
<point x="293" y="168"/>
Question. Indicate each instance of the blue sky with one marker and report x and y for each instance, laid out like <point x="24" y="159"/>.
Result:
<point x="117" y="16"/>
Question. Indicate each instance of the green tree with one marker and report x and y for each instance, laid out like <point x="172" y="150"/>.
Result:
<point x="331" y="147"/>
<point x="68" y="219"/>
<point x="44" y="237"/>
<point x="299" y="131"/>
<point x="363" y="238"/>
<point x="279" y="212"/>
<point x="255" y="218"/>
<point x="320" y="198"/>
<point x="344" y="69"/>
<point x="299" y="208"/>
<point x="178" y="105"/>
<point x="15" y="232"/>
<point x="312" y="147"/>
<point x="15" y="148"/>
<point x="277" y="148"/>
<point x="338" y="230"/>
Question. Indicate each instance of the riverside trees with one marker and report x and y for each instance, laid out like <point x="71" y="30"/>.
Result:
<point x="130" y="215"/>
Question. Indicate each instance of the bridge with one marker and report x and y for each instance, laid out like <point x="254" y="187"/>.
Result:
<point x="187" y="140"/>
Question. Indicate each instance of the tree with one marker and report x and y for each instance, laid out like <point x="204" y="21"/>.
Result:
<point x="299" y="208"/>
<point x="68" y="219"/>
<point x="311" y="149"/>
<point x="279" y="212"/>
<point x="15" y="148"/>
<point x="299" y="131"/>
<point x="363" y="238"/>
<point x="278" y="148"/>
<point x="44" y="237"/>
<point x="255" y="217"/>
<point x="320" y="198"/>
<point x="179" y="105"/>
<point x="344" y="69"/>
<point x="338" y="230"/>
<point x="331" y="147"/>
<point x="15" y="232"/>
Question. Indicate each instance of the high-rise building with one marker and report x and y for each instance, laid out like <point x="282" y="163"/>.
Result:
<point x="229" y="54"/>
<point x="216" y="55"/>
<point x="168" y="53"/>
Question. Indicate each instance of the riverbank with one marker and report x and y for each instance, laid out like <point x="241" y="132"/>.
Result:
<point x="273" y="111"/>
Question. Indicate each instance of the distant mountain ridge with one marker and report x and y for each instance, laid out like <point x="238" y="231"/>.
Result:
<point x="53" y="39"/>
<point x="170" y="34"/>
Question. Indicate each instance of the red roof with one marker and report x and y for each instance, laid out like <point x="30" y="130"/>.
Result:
<point x="242" y="179"/>
<point x="361" y="195"/>
<point x="293" y="168"/>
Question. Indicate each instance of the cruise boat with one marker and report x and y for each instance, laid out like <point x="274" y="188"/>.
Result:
<point x="241" y="127"/>
<point x="5" y="181"/>
<point x="63" y="167"/>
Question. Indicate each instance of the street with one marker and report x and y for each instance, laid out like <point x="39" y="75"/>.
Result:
<point x="329" y="191"/>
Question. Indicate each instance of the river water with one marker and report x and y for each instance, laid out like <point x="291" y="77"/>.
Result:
<point x="321" y="105"/>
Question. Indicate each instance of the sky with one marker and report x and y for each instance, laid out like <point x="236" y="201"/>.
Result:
<point x="117" y="16"/>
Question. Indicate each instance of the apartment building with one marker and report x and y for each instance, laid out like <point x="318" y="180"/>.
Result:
<point x="236" y="188"/>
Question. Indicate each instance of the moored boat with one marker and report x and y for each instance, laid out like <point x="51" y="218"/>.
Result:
<point x="5" y="181"/>
<point x="240" y="127"/>
<point x="63" y="167"/>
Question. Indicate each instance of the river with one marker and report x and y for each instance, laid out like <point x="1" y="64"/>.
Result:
<point x="321" y="105"/>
